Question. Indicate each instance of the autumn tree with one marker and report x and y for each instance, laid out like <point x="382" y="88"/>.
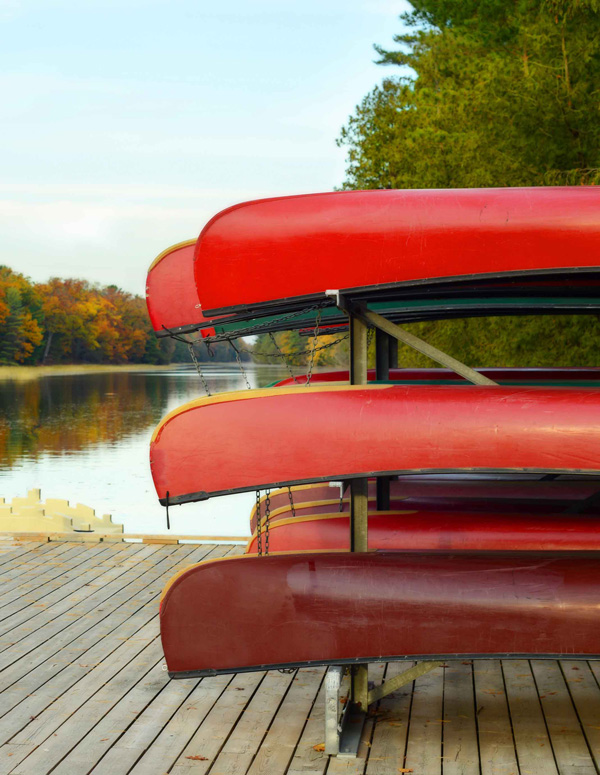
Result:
<point x="20" y="330"/>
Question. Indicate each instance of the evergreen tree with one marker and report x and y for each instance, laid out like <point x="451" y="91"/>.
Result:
<point x="492" y="93"/>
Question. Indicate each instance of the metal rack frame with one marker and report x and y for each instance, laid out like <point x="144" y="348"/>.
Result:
<point x="342" y="737"/>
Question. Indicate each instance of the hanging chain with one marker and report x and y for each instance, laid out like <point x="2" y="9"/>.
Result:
<point x="300" y="353"/>
<point x="291" y="502"/>
<point x="370" y="333"/>
<point x="311" y="362"/>
<point x="258" y="525"/>
<point x="198" y="369"/>
<point x="239" y="362"/>
<point x="282" y="355"/>
<point x="267" y="518"/>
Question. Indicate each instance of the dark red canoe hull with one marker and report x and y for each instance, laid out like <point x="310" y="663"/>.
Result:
<point x="252" y="613"/>
<point x="431" y="531"/>
<point x="294" y="248"/>
<point x="531" y="496"/>
<point x="500" y="375"/>
<point x="225" y="443"/>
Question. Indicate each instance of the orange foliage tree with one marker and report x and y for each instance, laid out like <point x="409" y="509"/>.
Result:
<point x="20" y="329"/>
<point x="73" y="321"/>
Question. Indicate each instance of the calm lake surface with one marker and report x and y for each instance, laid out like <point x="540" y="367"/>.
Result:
<point x="85" y="437"/>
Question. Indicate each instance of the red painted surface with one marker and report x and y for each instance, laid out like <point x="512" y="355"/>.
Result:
<point x="291" y="247"/>
<point x="236" y="445"/>
<point x="431" y="531"/>
<point x="322" y="608"/>
<point x="497" y="374"/>
<point x="171" y="295"/>
<point x="427" y="493"/>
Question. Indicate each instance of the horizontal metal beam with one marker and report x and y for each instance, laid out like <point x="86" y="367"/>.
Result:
<point x="421" y="346"/>
<point x="400" y="680"/>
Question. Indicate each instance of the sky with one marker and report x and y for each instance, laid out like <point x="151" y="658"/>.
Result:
<point x="127" y="124"/>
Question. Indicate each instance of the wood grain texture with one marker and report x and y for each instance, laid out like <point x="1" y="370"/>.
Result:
<point x="91" y="695"/>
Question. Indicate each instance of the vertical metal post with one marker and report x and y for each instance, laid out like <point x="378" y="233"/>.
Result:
<point x="384" y="347"/>
<point x="382" y="354"/>
<point x="359" y="495"/>
<point x="393" y="353"/>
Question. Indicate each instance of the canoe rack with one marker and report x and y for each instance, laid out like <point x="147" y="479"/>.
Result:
<point x="342" y="737"/>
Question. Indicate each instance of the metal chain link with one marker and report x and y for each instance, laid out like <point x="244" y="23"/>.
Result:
<point x="291" y="501"/>
<point x="267" y="518"/>
<point x="258" y="327"/>
<point x="311" y="363"/>
<point x="258" y="525"/>
<point x="239" y="362"/>
<point x="282" y="355"/>
<point x="198" y="369"/>
<point x="299" y="353"/>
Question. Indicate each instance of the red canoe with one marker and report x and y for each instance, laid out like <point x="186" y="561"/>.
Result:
<point x="432" y="531"/>
<point x="291" y="249"/>
<point x="225" y="443"/>
<point x="171" y="295"/>
<point x="320" y="608"/>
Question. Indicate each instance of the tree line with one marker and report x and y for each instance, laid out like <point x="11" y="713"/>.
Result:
<point x="74" y="321"/>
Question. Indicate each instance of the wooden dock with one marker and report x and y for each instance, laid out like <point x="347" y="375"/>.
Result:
<point x="84" y="690"/>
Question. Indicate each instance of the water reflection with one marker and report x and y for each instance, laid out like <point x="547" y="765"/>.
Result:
<point x="85" y="437"/>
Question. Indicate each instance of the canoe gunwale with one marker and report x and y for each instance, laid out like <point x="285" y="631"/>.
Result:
<point x="211" y="672"/>
<point x="203" y="495"/>
<point x="367" y="292"/>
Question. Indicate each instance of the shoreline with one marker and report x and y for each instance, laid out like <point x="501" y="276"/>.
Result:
<point x="23" y="373"/>
<point x="33" y="372"/>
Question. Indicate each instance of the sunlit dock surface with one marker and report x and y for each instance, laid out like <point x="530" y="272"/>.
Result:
<point x="84" y="690"/>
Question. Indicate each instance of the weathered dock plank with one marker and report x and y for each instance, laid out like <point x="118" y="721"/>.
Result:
<point x="84" y="690"/>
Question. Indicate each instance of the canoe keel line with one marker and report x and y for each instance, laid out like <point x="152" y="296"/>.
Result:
<point x="400" y="606"/>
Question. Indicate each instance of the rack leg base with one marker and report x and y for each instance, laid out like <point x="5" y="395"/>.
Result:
<point x="342" y="738"/>
<point x="351" y="732"/>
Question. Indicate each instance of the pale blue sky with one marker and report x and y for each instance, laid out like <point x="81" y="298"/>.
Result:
<point x="126" y="124"/>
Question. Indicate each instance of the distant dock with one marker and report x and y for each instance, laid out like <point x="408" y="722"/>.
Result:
<point x="84" y="689"/>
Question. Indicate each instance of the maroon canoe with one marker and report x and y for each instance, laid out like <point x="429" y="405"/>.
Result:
<point x="291" y="249"/>
<point x="484" y="495"/>
<point x="320" y="608"/>
<point x="431" y="531"/>
<point x="500" y="375"/>
<point x="225" y="443"/>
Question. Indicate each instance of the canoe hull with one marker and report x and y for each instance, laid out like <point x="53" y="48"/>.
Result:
<point x="500" y="375"/>
<point x="281" y="250"/>
<point x="530" y="496"/>
<point x="430" y="531"/>
<point x="171" y="295"/>
<point x="255" y="613"/>
<point x="225" y="443"/>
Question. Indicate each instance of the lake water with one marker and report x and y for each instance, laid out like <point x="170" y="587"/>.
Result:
<point x="85" y="437"/>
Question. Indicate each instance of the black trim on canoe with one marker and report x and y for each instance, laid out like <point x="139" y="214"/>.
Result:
<point x="369" y="660"/>
<point x="372" y="290"/>
<point x="203" y="495"/>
